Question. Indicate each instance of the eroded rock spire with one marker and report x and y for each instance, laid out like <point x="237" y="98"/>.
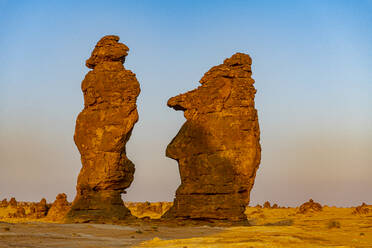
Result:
<point x="102" y="131"/>
<point x="217" y="149"/>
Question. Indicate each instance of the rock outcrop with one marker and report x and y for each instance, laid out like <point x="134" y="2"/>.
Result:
<point x="362" y="209"/>
<point x="59" y="208"/>
<point x="102" y="131"/>
<point x="29" y="210"/>
<point x="154" y="210"/>
<point x="13" y="202"/>
<point x="40" y="209"/>
<point x="19" y="213"/>
<point x="267" y="204"/>
<point x="217" y="148"/>
<point x="4" y="203"/>
<point x="310" y="206"/>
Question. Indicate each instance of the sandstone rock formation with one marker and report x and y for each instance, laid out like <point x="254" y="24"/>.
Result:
<point x="27" y="209"/>
<point x="59" y="208"/>
<point x="19" y="213"/>
<point x="310" y="206"/>
<point x="4" y="203"/>
<point x="102" y="130"/>
<point x="39" y="210"/>
<point x="217" y="148"/>
<point x="362" y="209"/>
<point x="267" y="205"/>
<point x="154" y="210"/>
<point x="13" y="202"/>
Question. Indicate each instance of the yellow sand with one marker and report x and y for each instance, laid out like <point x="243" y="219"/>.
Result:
<point x="333" y="227"/>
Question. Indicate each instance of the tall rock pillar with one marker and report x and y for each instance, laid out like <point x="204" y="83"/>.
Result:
<point x="102" y="131"/>
<point x="217" y="149"/>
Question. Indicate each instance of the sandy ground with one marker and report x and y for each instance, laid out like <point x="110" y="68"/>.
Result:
<point x="38" y="234"/>
<point x="332" y="227"/>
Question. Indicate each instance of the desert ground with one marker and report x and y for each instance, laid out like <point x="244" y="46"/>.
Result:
<point x="266" y="227"/>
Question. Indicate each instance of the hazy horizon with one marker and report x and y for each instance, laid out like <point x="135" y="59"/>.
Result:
<point x="311" y="63"/>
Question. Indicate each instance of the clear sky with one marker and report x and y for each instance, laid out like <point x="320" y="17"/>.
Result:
<point x="312" y="62"/>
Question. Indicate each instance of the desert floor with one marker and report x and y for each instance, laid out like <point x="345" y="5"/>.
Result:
<point x="283" y="227"/>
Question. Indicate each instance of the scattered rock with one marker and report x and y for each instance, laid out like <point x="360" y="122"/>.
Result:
<point x="217" y="148"/>
<point x="59" y="208"/>
<point x="310" y="206"/>
<point x="102" y="131"/>
<point x="333" y="224"/>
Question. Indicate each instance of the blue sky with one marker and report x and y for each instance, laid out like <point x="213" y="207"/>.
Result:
<point x="312" y="64"/>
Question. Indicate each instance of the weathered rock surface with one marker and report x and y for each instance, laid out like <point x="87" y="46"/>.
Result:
<point x="102" y="131"/>
<point x="59" y="208"/>
<point x="217" y="148"/>
<point x="310" y="206"/>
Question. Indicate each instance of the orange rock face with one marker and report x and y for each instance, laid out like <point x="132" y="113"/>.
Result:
<point x="102" y="131"/>
<point x="217" y="149"/>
